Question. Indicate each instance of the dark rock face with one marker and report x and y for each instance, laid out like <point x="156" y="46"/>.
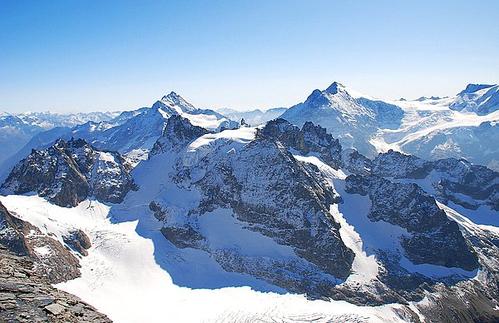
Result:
<point x="434" y="238"/>
<point x="452" y="178"/>
<point x="310" y="139"/>
<point x="288" y="202"/>
<point x="27" y="296"/>
<point x="478" y="182"/>
<point x="158" y="211"/>
<point x="69" y="172"/>
<point x="78" y="241"/>
<point x="285" y="132"/>
<point x="473" y="300"/>
<point x="398" y="165"/>
<point x="355" y="162"/>
<point x="21" y="238"/>
<point x="269" y="192"/>
<point x="12" y="232"/>
<point x="276" y="195"/>
<point x="183" y="237"/>
<point x="178" y="132"/>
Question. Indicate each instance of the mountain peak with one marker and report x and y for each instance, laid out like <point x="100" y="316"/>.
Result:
<point x="172" y="96"/>
<point x="178" y="131"/>
<point x="322" y="96"/>
<point x="335" y="87"/>
<point x="174" y="99"/>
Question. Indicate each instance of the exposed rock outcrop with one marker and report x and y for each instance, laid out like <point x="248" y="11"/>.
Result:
<point x="53" y="259"/>
<point x="69" y="172"/>
<point x="268" y="191"/>
<point x="310" y="139"/>
<point x="177" y="133"/>
<point x="433" y="238"/>
<point x="27" y="296"/>
<point x="450" y="178"/>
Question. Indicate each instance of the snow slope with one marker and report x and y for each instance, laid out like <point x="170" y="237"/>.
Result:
<point x="463" y="126"/>
<point x="122" y="278"/>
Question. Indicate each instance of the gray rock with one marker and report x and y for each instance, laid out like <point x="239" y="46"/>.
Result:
<point x="55" y="309"/>
<point x="31" y="298"/>
<point x="287" y="202"/>
<point x="177" y="133"/>
<point x="59" y="265"/>
<point x="451" y="178"/>
<point x="69" y="172"/>
<point x="434" y="238"/>
<point x="78" y="241"/>
<point x="310" y="139"/>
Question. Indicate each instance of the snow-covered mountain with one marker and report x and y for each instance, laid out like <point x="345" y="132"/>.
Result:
<point x="48" y="120"/>
<point x="463" y="126"/>
<point x="14" y="133"/>
<point x="182" y="206"/>
<point x="282" y="209"/>
<point x="139" y="132"/>
<point x="70" y="172"/>
<point x="479" y="98"/>
<point x="352" y="120"/>
<point x="17" y="129"/>
<point x="131" y="133"/>
<point x="252" y="117"/>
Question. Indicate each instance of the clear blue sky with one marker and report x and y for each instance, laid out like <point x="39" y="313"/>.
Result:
<point x="108" y="55"/>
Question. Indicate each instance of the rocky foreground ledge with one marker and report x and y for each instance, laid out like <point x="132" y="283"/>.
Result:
<point x="27" y="296"/>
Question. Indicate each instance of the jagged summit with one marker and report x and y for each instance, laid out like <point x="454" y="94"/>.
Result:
<point x="68" y="172"/>
<point x="175" y="100"/>
<point x="178" y="131"/>
<point x="172" y="95"/>
<point x="331" y="90"/>
<point x="173" y="104"/>
<point x="335" y="87"/>
<point x="335" y="96"/>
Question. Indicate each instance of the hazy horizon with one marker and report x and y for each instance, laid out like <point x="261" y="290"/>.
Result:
<point x="217" y="108"/>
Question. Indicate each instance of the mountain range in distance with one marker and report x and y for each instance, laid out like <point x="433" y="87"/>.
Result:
<point x="461" y="126"/>
<point x="343" y="207"/>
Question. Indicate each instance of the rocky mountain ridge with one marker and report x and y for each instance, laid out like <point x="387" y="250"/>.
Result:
<point x="288" y="206"/>
<point x="231" y="176"/>
<point x="69" y="172"/>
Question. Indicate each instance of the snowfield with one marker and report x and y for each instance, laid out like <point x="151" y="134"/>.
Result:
<point x="423" y="119"/>
<point x="122" y="278"/>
